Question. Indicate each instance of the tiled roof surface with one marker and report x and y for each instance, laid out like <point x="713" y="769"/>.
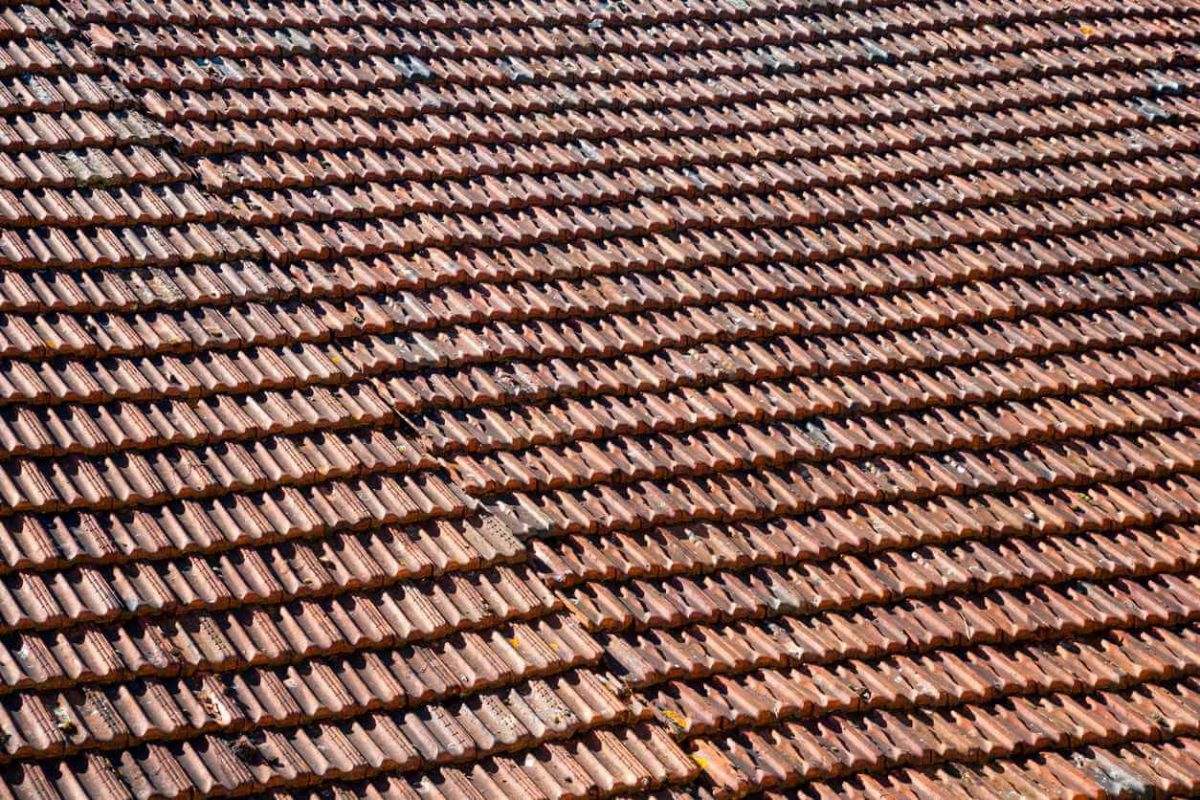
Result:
<point x="663" y="399"/>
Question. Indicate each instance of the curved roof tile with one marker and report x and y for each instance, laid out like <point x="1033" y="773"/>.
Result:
<point x="494" y="398"/>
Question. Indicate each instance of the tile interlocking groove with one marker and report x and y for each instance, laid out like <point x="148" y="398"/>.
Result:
<point x="467" y="400"/>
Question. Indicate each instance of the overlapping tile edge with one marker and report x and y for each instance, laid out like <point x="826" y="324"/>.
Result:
<point x="568" y="400"/>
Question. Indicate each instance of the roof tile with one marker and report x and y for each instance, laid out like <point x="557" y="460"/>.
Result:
<point x="566" y="400"/>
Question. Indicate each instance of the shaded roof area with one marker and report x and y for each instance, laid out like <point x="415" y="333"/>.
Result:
<point x="416" y="401"/>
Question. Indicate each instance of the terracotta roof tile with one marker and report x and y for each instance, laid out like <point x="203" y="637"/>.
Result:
<point x="509" y="399"/>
